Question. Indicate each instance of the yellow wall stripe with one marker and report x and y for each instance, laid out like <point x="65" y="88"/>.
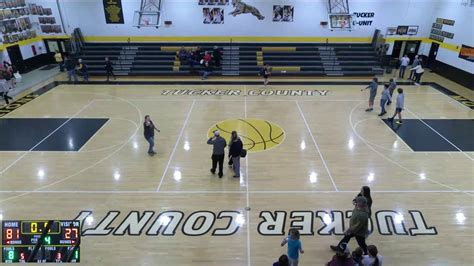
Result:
<point x="225" y="39"/>
<point x="30" y="41"/>
<point x="447" y="46"/>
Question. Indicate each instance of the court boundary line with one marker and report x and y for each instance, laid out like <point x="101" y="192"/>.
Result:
<point x="176" y="144"/>
<point x="247" y="209"/>
<point x="223" y="191"/>
<point x="316" y="145"/>
<point x="45" y="138"/>
<point x="439" y="134"/>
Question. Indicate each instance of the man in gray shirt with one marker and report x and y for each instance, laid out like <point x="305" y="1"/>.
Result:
<point x="391" y="87"/>
<point x="416" y="62"/>
<point x="384" y="99"/>
<point x="399" y="107"/>
<point x="218" y="144"/>
<point x="373" y="91"/>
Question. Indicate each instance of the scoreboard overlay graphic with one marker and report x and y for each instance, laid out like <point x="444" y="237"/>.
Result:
<point x="41" y="241"/>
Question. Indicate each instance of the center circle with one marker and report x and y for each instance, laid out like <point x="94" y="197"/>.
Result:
<point x="256" y="134"/>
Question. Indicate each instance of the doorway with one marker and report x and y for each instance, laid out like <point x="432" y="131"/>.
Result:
<point x="432" y="55"/>
<point x="16" y="58"/>
<point x="410" y="48"/>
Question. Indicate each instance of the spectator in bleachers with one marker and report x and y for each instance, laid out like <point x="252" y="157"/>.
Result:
<point x="373" y="259"/>
<point x="183" y="54"/>
<point x="199" y="53"/>
<point x="217" y="56"/>
<point x="207" y="57"/>
<point x="342" y="257"/>
<point x="282" y="261"/>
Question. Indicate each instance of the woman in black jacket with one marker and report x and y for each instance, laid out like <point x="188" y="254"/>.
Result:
<point x="235" y="150"/>
<point x="365" y="191"/>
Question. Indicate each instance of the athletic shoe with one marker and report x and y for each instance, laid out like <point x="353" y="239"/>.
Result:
<point x="399" y="122"/>
<point x="417" y="84"/>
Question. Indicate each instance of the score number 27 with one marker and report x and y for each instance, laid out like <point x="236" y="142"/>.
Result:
<point x="71" y="233"/>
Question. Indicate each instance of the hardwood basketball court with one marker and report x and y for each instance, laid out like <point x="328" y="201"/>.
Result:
<point x="90" y="162"/>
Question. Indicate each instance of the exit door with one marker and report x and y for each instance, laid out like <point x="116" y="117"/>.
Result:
<point x="432" y="55"/>
<point x="16" y="58"/>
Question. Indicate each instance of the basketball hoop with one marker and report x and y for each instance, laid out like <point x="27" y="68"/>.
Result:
<point x="148" y="15"/>
<point x="146" y="19"/>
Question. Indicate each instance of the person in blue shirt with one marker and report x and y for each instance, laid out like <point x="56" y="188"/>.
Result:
<point x="384" y="99"/>
<point x="399" y="107"/>
<point x="294" y="246"/>
<point x="373" y="92"/>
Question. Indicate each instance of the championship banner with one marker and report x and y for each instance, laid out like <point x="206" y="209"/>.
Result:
<point x="113" y="11"/>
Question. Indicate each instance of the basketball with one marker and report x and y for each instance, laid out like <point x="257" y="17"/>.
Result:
<point x="256" y="134"/>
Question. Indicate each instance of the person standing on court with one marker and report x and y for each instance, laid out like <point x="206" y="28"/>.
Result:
<point x="384" y="99"/>
<point x="83" y="69"/>
<point x="373" y="92"/>
<point x="109" y="69"/>
<point x="418" y="73"/>
<point x="235" y="149"/>
<point x="404" y="62"/>
<point x="416" y="62"/>
<point x="294" y="246"/>
<point x="266" y="71"/>
<point x="391" y="86"/>
<point x="149" y="133"/>
<point x="218" y="145"/>
<point x="358" y="225"/>
<point x="71" y="69"/>
<point x="399" y="107"/>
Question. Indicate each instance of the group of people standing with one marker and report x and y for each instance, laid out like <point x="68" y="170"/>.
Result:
<point x="358" y="228"/>
<point x="416" y="70"/>
<point x="72" y="67"/>
<point x="236" y="151"/>
<point x="7" y="81"/>
<point x="386" y="98"/>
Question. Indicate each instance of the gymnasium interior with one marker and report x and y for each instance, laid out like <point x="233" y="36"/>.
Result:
<point x="355" y="119"/>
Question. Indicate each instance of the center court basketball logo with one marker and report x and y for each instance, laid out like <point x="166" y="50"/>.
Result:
<point x="256" y="134"/>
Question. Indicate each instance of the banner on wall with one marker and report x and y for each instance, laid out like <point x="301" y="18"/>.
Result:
<point x="283" y="13"/>
<point x="467" y="53"/>
<point x="113" y="11"/>
<point x="213" y="15"/>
